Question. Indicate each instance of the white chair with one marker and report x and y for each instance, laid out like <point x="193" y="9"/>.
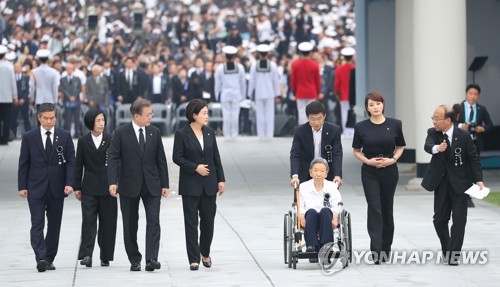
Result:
<point x="122" y="114"/>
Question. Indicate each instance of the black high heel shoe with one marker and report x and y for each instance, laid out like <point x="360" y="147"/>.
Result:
<point x="208" y="263"/>
<point x="194" y="266"/>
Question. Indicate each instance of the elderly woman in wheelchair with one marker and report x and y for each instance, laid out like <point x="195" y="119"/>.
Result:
<point x="319" y="212"/>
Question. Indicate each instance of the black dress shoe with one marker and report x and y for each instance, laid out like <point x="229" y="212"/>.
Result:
<point x="194" y="266"/>
<point x="310" y="249"/>
<point x="104" y="263"/>
<point x="135" y="267"/>
<point x="208" y="263"/>
<point x="87" y="261"/>
<point x="41" y="265"/>
<point x="152" y="264"/>
<point x="50" y="266"/>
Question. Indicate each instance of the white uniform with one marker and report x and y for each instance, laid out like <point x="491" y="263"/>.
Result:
<point x="44" y="86"/>
<point x="230" y="89"/>
<point x="264" y="80"/>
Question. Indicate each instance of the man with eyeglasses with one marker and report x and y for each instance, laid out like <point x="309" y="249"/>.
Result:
<point x="137" y="169"/>
<point x="454" y="167"/>
<point x="316" y="138"/>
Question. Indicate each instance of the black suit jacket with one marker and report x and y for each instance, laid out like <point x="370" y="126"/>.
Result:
<point x="71" y="90"/>
<point x="462" y="166"/>
<point x="126" y="166"/>
<point x="91" y="175"/>
<point x="164" y="90"/>
<point x="23" y="88"/>
<point x="36" y="173"/>
<point x="482" y="118"/>
<point x="302" y="152"/>
<point x="188" y="155"/>
<point x="139" y="84"/>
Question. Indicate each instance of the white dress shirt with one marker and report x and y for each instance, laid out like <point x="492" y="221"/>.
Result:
<point x="136" y="129"/>
<point x="157" y="84"/>
<point x="44" y="136"/>
<point x="97" y="140"/>
<point x="317" y="141"/>
<point x="312" y="199"/>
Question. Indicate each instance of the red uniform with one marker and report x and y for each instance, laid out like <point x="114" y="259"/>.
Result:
<point x="305" y="80"/>
<point x="342" y="80"/>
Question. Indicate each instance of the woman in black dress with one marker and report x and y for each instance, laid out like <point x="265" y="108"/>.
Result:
<point x="201" y="177"/>
<point x="91" y="188"/>
<point x="378" y="143"/>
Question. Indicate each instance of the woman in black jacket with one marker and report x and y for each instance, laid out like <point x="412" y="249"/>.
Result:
<point x="91" y="188"/>
<point x="201" y="177"/>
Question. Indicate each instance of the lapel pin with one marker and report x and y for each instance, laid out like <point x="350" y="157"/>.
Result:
<point x="151" y="134"/>
<point x="208" y="134"/>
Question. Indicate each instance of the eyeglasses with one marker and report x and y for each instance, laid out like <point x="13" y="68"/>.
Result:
<point x="435" y="119"/>
<point x="149" y="116"/>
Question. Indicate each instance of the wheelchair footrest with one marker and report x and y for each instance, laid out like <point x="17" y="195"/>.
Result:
<point x="306" y="254"/>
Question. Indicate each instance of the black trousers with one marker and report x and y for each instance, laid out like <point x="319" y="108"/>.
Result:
<point x="106" y="209"/>
<point x="379" y="186"/>
<point x="72" y="115"/>
<point x="205" y="207"/>
<point x="24" y="110"/>
<point x="130" y="215"/>
<point x="5" y="117"/>
<point x="447" y="202"/>
<point x="318" y="224"/>
<point x="45" y="247"/>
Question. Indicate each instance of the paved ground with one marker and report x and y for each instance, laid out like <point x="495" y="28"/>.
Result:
<point x="248" y="244"/>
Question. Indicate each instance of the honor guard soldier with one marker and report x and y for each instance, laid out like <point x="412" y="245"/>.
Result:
<point x="8" y="95"/>
<point x="305" y="80"/>
<point x="44" y="80"/>
<point x="230" y="88"/>
<point x="265" y="73"/>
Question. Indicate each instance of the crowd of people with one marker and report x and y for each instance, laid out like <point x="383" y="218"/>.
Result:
<point x="165" y="51"/>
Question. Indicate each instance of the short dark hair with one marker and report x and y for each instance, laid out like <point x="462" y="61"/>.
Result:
<point x="314" y="108"/>
<point x="348" y="58"/>
<point x="45" y="108"/>
<point x="376" y="97"/>
<point x="90" y="115"/>
<point x="473" y="86"/>
<point x="193" y="108"/>
<point x="138" y="105"/>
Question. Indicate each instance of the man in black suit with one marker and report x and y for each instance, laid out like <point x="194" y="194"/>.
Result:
<point x="316" y="138"/>
<point x="473" y="117"/>
<point x="45" y="177"/>
<point x="23" y="101"/>
<point x="130" y="83"/>
<point x="71" y="87"/>
<point x="158" y="86"/>
<point x="137" y="168"/>
<point x="453" y="169"/>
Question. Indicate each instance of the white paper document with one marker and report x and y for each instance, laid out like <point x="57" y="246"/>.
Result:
<point x="476" y="192"/>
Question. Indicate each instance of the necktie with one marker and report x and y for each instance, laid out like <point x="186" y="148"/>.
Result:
<point x="471" y="115"/>
<point x="447" y="151"/>
<point x="142" y="144"/>
<point x="70" y="80"/>
<point x="48" y="145"/>
<point x="97" y="80"/>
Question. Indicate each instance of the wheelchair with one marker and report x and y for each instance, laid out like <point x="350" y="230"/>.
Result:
<point x="295" y="248"/>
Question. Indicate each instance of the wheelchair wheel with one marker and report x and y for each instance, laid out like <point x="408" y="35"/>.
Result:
<point x="285" y="238"/>
<point x="290" y="239"/>
<point x="347" y="235"/>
